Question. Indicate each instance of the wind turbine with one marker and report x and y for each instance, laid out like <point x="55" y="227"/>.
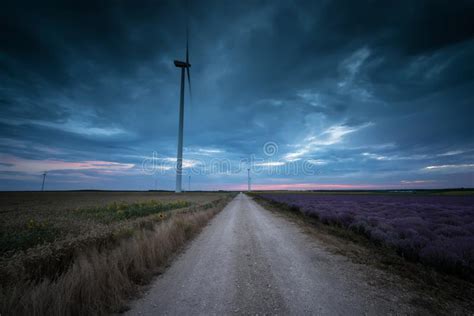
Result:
<point x="184" y="65"/>
<point x="44" y="178"/>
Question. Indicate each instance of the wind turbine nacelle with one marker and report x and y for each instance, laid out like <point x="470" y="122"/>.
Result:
<point x="181" y="64"/>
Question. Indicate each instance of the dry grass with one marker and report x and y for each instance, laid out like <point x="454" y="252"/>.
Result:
<point x="28" y="219"/>
<point x="98" y="275"/>
<point x="42" y="241"/>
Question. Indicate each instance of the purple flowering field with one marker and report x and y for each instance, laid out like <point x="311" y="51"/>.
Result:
<point x="434" y="229"/>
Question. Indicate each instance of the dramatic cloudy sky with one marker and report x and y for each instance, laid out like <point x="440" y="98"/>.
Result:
<point x="312" y="94"/>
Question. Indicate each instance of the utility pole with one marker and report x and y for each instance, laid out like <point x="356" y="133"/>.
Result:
<point x="248" y="179"/>
<point x="44" y="178"/>
<point x="189" y="183"/>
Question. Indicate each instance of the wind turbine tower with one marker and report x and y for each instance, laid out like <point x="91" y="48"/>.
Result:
<point x="184" y="65"/>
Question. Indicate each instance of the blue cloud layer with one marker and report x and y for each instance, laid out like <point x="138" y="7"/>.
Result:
<point x="374" y="95"/>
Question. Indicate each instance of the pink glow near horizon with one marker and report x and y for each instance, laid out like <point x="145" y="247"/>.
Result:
<point x="30" y="165"/>
<point x="301" y="186"/>
<point x="317" y="186"/>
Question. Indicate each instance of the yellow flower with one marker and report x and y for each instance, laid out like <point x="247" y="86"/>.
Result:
<point x="31" y="224"/>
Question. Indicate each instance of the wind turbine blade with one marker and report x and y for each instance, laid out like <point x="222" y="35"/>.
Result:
<point x="189" y="82"/>
<point x="187" y="46"/>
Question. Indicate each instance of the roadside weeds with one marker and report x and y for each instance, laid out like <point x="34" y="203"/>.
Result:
<point x="102" y="280"/>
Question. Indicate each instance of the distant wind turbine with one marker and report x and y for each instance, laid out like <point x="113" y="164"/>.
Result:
<point x="184" y="71"/>
<point x="44" y="178"/>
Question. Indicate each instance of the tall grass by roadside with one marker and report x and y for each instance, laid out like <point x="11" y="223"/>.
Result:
<point x="101" y="279"/>
<point x="46" y="248"/>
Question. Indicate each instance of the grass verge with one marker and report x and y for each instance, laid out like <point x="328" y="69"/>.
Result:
<point x="102" y="276"/>
<point x="440" y="293"/>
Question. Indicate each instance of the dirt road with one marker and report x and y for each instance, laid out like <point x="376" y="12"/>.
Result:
<point x="250" y="261"/>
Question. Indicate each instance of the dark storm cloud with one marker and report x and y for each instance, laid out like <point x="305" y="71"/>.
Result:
<point x="373" y="91"/>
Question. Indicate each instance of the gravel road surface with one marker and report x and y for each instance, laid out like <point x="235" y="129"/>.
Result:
<point x="250" y="261"/>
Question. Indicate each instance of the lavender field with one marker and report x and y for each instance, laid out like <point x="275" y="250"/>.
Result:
<point x="435" y="230"/>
